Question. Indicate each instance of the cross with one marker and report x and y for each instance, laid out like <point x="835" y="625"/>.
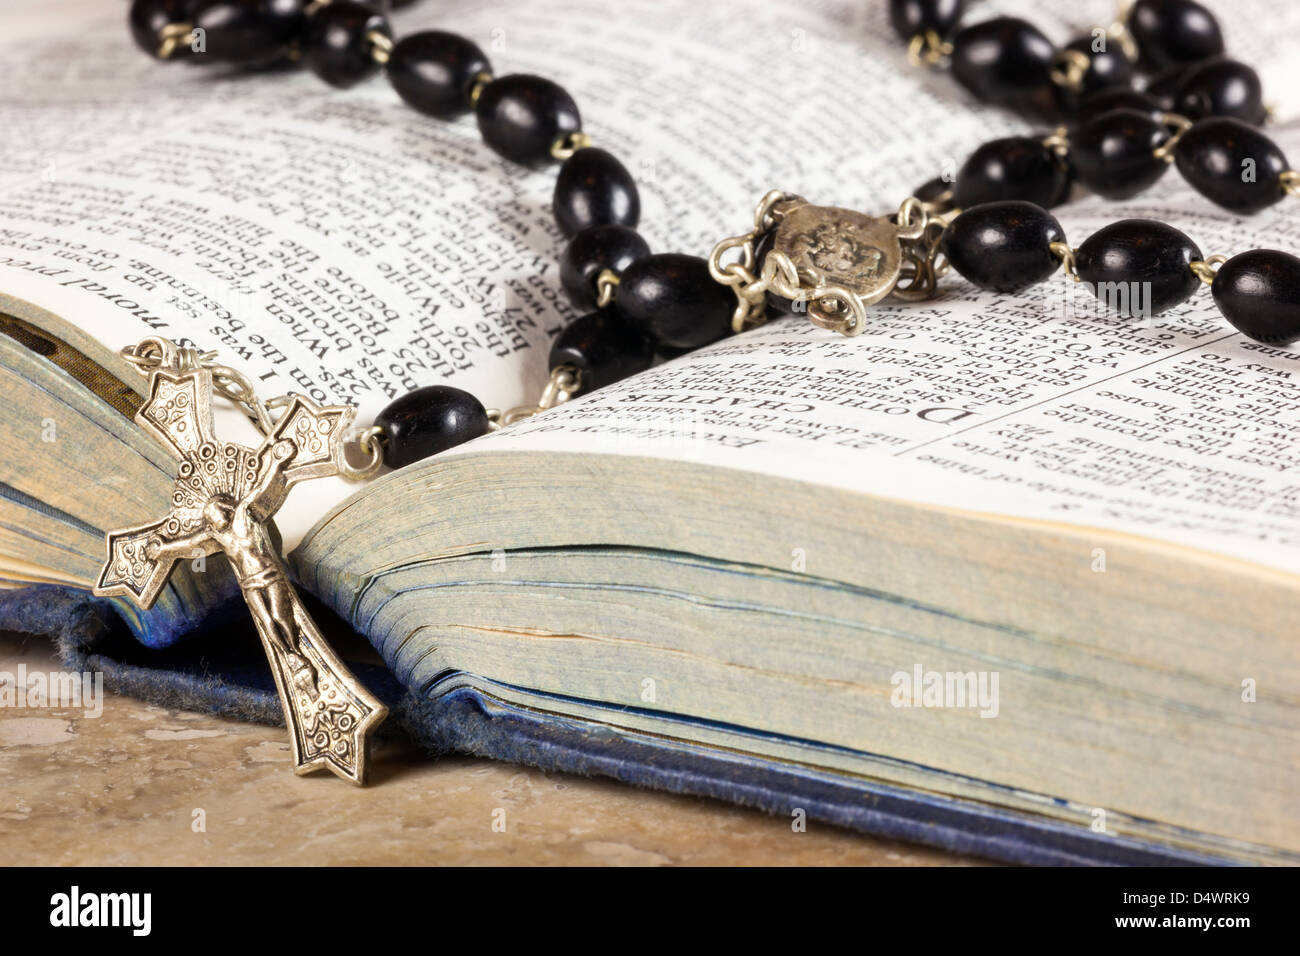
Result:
<point x="223" y="500"/>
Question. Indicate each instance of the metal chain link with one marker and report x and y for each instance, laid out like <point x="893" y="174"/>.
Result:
<point x="751" y="290"/>
<point x="155" y="353"/>
<point x="159" y="354"/>
<point x="916" y="227"/>
<point x="564" y="383"/>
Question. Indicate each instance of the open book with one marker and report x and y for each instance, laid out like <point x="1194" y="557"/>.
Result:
<point x="1008" y="574"/>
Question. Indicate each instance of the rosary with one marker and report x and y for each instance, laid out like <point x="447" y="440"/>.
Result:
<point x="1199" y="111"/>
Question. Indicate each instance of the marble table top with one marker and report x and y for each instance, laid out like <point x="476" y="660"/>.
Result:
<point x="140" y="784"/>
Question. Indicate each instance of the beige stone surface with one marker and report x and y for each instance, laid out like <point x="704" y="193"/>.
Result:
<point x="145" y="785"/>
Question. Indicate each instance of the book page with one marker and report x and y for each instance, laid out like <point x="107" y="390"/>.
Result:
<point x="339" y="244"/>
<point x="1039" y="405"/>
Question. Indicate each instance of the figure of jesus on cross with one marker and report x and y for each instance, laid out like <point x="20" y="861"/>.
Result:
<point x="223" y="500"/>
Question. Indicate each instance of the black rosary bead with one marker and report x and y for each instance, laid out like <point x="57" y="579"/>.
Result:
<point x="427" y="421"/>
<point x="288" y="18"/>
<point x="1117" y="98"/>
<point x="1108" y="68"/>
<point x="674" y="301"/>
<point x="433" y="71"/>
<point x="337" y="45"/>
<point x="246" y="32"/>
<point x="1002" y="60"/>
<point x="938" y="190"/>
<point x="915" y="17"/>
<point x="603" y="347"/>
<point x="1139" y="266"/>
<point x="1174" y="31"/>
<point x="1231" y="164"/>
<point x="1114" y="153"/>
<point x="147" y="17"/>
<point x="1259" y="293"/>
<point x="595" y="189"/>
<point x="1107" y="65"/>
<point x="590" y="253"/>
<point x="1221" y="87"/>
<point x="1017" y="167"/>
<point x="1163" y="86"/>
<point x="668" y="353"/>
<point x="523" y="117"/>
<point x="1003" y="246"/>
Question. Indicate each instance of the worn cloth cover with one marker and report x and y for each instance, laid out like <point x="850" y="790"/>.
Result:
<point x="220" y="669"/>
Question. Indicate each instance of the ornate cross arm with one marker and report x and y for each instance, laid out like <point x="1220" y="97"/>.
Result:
<point x="223" y="500"/>
<point x="140" y="559"/>
<point x="302" y="445"/>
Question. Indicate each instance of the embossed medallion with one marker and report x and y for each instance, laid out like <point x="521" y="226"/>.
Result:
<point x="857" y="253"/>
<point x="831" y="263"/>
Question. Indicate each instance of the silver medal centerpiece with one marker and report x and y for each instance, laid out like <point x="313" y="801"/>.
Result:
<point x="831" y="262"/>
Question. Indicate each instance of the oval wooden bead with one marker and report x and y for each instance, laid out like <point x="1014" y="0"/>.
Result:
<point x="434" y="71"/>
<point x="1139" y="266"/>
<point x="247" y="32"/>
<point x="1232" y="164"/>
<point x="1221" y="87"/>
<point x="288" y="17"/>
<point x="147" y="17"/>
<point x="938" y="190"/>
<point x="427" y="421"/>
<point x="1116" y="98"/>
<point x="915" y="17"/>
<point x="1163" y="86"/>
<point x="1108" y="68"/>
<point x="1114" y="153"/>
<point x="522" y="116"/>
<point x="1002" y="60"/>
<point x="1017" y="167"/>
<point x="603" y="347"/>
<point x="337" y="46"/>
<point x="595" y="189"/>
<point x="1174" y="31"/>
<point x="590" y="253"/>
<point x="1259" y="293"/>
<point x="1003" y="246"/>
<point x="674" y="301"/>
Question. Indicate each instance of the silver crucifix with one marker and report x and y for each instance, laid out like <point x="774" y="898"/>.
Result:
<point x="223" y="501"/>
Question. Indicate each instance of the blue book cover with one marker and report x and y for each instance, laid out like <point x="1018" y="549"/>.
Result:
<point x="235" y="682"/>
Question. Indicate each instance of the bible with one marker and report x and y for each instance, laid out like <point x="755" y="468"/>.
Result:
<point x="1012" y="575"/>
